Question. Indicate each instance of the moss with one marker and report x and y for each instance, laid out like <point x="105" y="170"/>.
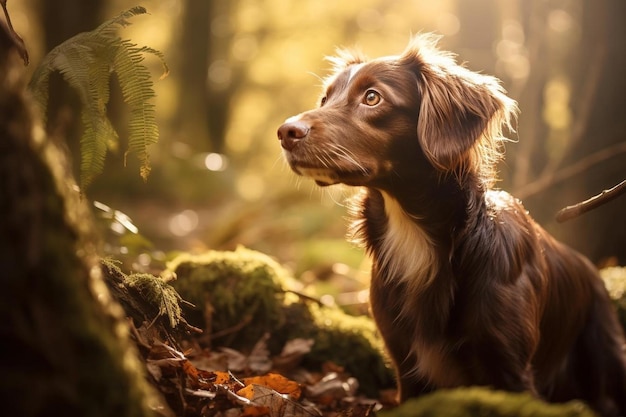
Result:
<point x="482" y="402"/>
<point x="244" y="291"/>
<point x="237" y="294"/>
<point x="350" y="341"/>
<point x="615" y="281"/>
<point x="160" y="296"/>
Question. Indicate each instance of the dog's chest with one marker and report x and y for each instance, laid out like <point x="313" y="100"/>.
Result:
<point x="405" y="254"/>
<point x="407" y="271"/>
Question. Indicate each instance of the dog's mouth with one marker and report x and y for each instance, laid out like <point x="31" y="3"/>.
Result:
<point x="322" y="176"/>
<point x="326" y="175"/>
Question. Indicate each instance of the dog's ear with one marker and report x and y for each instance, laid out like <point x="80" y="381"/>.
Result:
<point x="458" y="107"/>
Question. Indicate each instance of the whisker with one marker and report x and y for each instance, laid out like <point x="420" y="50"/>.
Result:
<point x="279" y="159"/>
<point x="318" y="77"/>
<point x="347" y="155"/>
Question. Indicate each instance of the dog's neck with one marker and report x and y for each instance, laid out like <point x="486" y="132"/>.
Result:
<point x="406" y="251"/>
<point x="409" y="235"/>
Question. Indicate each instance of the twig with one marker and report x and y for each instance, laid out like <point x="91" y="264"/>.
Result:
<point x="225" y="332"/>
<point x="19" y="42"/>
<point x="605" y="196"/>
<point x="306" y="297"/>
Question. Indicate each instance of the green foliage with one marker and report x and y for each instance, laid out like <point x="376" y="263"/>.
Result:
<point x="86" y="62"/>
<point x="244" y="295"/>
<point x="483" y="402"/>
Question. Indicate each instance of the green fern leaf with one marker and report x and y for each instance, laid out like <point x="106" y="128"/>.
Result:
<point x="86" y="62"/>
<point x="136" y="84"/>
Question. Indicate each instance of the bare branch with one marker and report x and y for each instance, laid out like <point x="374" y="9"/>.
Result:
<point x="548" y="180"/>
<point x="604" y="197"/>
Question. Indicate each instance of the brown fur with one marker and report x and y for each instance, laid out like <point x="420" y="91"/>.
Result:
<point x="466" y="288"/>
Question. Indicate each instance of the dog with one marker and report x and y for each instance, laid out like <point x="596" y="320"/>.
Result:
<point x="466" y="288"/>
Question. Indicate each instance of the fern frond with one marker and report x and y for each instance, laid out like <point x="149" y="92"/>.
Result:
<point x="86" y="62"/>
<point x="158" y="54"/>
<point x="109" y="28"/>
<point x="136" y="85"/>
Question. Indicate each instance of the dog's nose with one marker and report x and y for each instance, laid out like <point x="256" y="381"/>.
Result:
<point x="291" y="133"/>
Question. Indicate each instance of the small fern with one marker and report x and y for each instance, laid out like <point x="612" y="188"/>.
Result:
<point x="87" y="62"/>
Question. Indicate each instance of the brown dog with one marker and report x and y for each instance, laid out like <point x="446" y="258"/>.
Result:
<point x="466" y="288"/>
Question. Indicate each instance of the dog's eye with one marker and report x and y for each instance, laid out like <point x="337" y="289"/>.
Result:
<point x="323" y="101"/>
<point x="371" y="98"/>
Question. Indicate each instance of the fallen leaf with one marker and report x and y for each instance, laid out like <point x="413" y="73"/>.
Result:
<point x="332" y="387"/>
<point x="292" y="354"/>
<point x="259" y="359"/>
<point x="255" y="411"/>
<point x="221" y="377"/>
<point x="279" y="405"/>
<point x="237" y="361"/>
<point x="276" y="382"/>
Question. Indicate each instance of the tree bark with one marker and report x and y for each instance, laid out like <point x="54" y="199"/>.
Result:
<point x="66" y="349"/>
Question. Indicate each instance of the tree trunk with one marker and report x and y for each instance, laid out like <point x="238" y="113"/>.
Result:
<point x="66" y="349"/>
<point x="204" y="100"/>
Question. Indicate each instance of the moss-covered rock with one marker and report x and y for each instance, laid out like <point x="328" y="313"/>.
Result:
<point x="238" y="295"/>
<point x="483" y="402"/>
<point x="350" y="341"/>
<point x="241" y="295"/>
<point x="615" y="281"/>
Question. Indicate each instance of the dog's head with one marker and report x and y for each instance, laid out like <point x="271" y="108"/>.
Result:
<point x="380" y="118"/>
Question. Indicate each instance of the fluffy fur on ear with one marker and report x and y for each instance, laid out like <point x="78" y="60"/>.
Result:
<point x="462" y="113"/>
<point x="344" y="57"/>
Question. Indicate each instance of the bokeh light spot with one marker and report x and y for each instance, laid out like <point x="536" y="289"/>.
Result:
<point x="183" y="223"/>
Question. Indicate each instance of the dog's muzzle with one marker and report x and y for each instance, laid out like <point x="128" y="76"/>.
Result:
<point x="291" y="133"/>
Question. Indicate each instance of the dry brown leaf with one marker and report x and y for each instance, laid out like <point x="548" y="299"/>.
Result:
<point x="237" y="361"/>
<point x="255" y="411"/>
<point x="221" y="377"/>
<point x="259" y="359"/>
<point x="292" y="354"/>
<point x="279" y="405"/>
<point x="276" y="382"/>
<point x="332" y="388"/>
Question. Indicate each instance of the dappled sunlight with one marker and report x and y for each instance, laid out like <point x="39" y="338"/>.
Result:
<point x="174" y="193"/>
<point x="258" y="62"/>
<point x="183" y="223"/>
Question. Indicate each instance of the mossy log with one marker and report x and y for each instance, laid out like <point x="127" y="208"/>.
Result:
<point x="65" y="345"/>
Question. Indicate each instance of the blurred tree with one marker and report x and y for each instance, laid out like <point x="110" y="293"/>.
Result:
<point x="478" y="31"/>
<point x="573" y="141"/>
<point x="599" y="86"/>
<point x="207" y="78"/>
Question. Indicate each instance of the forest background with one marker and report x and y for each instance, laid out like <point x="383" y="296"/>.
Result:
<point x="238" y="68"/>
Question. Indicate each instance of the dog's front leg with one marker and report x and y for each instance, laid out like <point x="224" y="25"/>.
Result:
<point x="409" y="381"/>
<point x="397" y="335"/>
